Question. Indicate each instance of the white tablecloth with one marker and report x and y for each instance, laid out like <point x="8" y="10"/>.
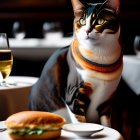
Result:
<point x="37" y="49"/>
<point x="131" y="72"/>
<point x="15" y="98"/>
<point x="105" y="134"/>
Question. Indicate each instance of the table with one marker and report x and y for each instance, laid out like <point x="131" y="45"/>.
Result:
<point x="131" y="72"/>
<point x="105" y="134"/>
<point x="15" y="98"/>
<point x="41" y="48"/>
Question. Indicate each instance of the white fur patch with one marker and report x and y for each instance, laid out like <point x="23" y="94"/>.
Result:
<point x="105" y="46"/>
<point x="102" y="90"/>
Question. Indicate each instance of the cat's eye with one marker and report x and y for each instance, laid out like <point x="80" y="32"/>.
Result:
<point x="101" y="21"/>
<point x="82" y="21"/>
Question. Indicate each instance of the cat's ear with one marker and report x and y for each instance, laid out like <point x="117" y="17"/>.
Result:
<point x="78" y="7"/>
<point x="115" y="4"/>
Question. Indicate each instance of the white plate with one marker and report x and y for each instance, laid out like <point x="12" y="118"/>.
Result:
<point x="83" y="129"/>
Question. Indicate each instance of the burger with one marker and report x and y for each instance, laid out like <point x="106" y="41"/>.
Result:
<point x="34" y="125"/>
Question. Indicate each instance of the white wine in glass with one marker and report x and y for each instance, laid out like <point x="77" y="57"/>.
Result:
<point x="6" y="58"/>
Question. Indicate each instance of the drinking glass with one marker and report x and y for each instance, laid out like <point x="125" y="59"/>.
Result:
<point x="6" y="59"/>
<point x="137" y="45"/>
<point x="52" y="30"/>
<point x="19" y="30"/>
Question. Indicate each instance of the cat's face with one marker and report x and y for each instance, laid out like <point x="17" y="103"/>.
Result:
<point x="97" y="24"/>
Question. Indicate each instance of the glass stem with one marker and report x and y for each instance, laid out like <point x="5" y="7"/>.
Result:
<point x="3" y="83"/>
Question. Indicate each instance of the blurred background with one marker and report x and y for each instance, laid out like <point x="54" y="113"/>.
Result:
<point x="33" y="14"/>
<point x="36" y="28"/>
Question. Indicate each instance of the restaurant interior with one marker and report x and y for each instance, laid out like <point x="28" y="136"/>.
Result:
<point x="35" y="16"/>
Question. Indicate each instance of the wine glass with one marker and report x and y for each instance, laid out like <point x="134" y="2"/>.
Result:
<point x="52" y="30"/>
<point x="137" y="45"/>
<point x="19" y="30"/>
<point x="6" y="59"/>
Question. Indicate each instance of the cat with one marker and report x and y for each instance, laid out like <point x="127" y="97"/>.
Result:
<point x="83" y="77"/>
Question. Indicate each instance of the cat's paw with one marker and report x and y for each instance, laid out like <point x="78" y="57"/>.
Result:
<point x="80" y="118"/>
<point x="105" y="121"/>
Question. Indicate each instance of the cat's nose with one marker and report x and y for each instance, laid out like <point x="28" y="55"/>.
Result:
<point x="88" y="31"/>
